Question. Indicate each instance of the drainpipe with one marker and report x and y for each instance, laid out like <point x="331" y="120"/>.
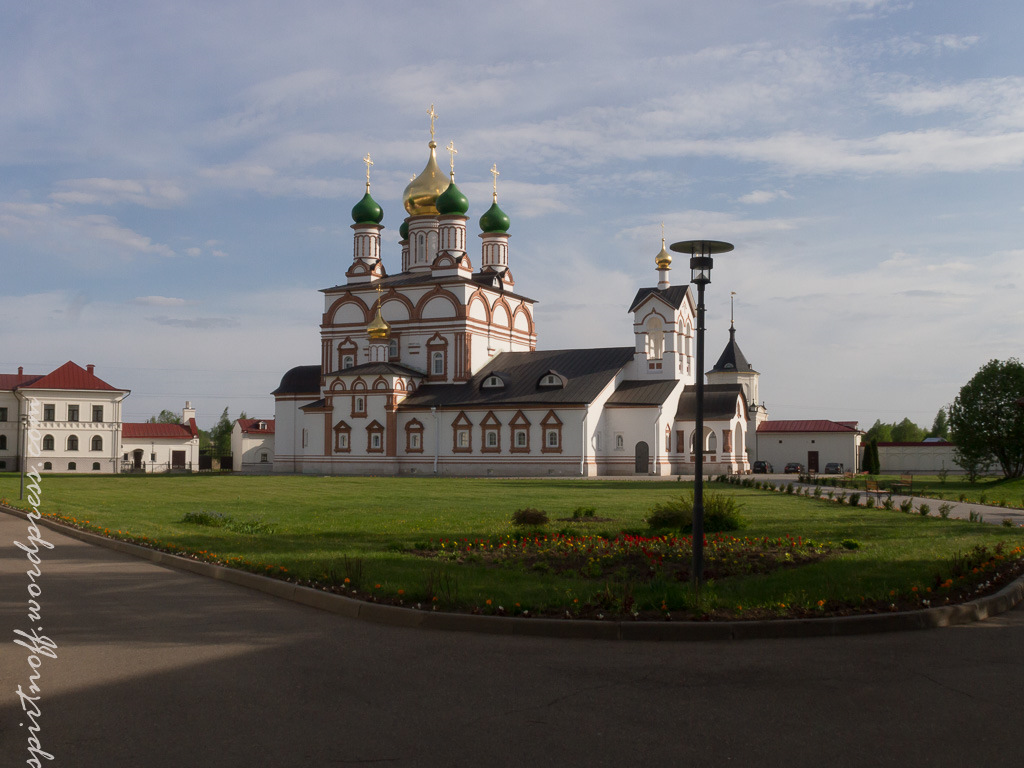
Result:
<point x="583" y="449"/>
<point x="437" y="436"/>
<point x="657" y="438"/>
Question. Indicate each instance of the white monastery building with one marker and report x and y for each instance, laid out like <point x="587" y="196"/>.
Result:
<point x="252" y="446"/>
<point x="77" y="419"/>
<point x="434" y="368"/>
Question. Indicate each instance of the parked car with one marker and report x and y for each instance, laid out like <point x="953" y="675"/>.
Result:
<point x="834" y="468"/>
<point x="763" y="468"/>
<point x="794" y="466"/>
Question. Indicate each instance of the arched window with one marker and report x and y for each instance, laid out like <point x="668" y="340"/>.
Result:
<point x="48" y="464"/>
<point x="95" y="466"/>
<point x="655" y="338"/>
<point x="48" y="443"/>
<point x="72" y="443"/>
<point x="72" y="466"/>
<point x="97" y="443"/>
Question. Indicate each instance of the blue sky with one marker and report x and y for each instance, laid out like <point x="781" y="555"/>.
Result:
<point x="176" y="180"/>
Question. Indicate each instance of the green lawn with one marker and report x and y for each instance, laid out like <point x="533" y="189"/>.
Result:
<point x="377" y="532"/>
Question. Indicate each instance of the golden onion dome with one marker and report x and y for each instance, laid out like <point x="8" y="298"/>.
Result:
<point x="664" y="259"/>
<point x="378" y="328"/>
<point x="420" y="197"/>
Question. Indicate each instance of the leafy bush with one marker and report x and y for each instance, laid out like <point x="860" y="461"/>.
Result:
<point x="211" y="519"/>
<point x="854" y="499"/>
<point x="1008" y="522"/>
<point x="944" y="510"/>
<point x="924" y="509"/>
<point x="869" y="502"/>
<point x="850" y="544"/>
<point x="530" y="516"/>
<point x="906" y="505"/>
<point x="721" y="513"/>
<point x="583" y="512"/>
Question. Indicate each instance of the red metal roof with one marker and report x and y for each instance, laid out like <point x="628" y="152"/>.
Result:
<point x="15" y="380"/>
<point x="71" y="376"/>
<point x="249" y="426"/>
<point x="811" y="425"/>
<point x="148" y="430"/>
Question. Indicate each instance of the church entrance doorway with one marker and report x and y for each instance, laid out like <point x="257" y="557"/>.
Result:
<point x="643" y="455"/>
<point x="137" y="458"/>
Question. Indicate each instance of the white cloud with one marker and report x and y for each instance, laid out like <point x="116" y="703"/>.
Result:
<point x="761" y="196"/>
<point x="159" y="301"/>
<point x="151" y="194"/>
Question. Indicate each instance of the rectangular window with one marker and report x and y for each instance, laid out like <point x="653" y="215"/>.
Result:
<point x="264" y="458"/>
<point x="551" y="438"/>
<point x="3" y="414"/>
<point x="463" y="438"/>
<point x="72" y="413"/>
<point x="49" y="412"/>
<point x="521" y="438"/>
<point x="97" y="413"/>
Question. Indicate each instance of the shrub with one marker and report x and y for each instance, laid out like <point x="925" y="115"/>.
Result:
<point x="963" y="497"/>
<point x="530" y="516"/>
<point x="869" y="502"/>
<point x="906" y="505"/>
<point x="250" y="526"/>
<point x="583" y="512"/>
<point x="854" y="499"/>
<point x="721" y="513"/>
<point x="975" y="517"/>
<point x="1008" y="522"/>
<point x="789" y="488"/>
<point x="944" y="510"/>
<point x="850" y="544"/>
<point x="924" y="509"/>
<point x="211" y="519"/>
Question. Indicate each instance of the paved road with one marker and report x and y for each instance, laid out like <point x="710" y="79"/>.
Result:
<point x="157" y="667"/>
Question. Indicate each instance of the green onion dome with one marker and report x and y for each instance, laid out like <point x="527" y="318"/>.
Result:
<point x="403" y="230"/>
<point x="366" y="211"/>
<point x="495" y="219"/>
<point x="452" y="201"/>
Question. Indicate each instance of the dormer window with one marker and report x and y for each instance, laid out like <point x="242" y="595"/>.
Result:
<point x="261" y="425"/>
<point x="493" y="382"/>
<point x="552" y="379"/>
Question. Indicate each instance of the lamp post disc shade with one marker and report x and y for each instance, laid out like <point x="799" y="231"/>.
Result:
<point x="701" y="247"/>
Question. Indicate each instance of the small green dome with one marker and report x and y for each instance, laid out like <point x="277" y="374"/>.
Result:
<point x="403" y="230"/>
<point x="495" y="219"/>
<point x="366" y="211"/>
<point x="452" y="201"/>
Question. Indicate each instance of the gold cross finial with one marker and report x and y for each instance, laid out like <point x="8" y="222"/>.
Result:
<point x="495" y="174"/>
<point x="453" y="152"/>
<point x="433" y="117"/>
<point x="663" y="234"/>
<point x="368" y="162"/>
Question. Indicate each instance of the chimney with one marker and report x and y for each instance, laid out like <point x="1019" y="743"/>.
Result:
<point x="187" y="413"/>
<point x="90" y="367"/>
<point x="21" y="370"/>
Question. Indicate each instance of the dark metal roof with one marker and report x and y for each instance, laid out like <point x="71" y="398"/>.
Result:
<point x="674" y="295"/>
<point x="719" y="402"/>
<point x="638" y="393"/>
<point x="375" y="369"/>
<point x="807" y="425"/>
<point x="587" y="372"/>
<point x="301" y="380"/>
<point x="732" y="358"/>
<point x="406" y="279"/>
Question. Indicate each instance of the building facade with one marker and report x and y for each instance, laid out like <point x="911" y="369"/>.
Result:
<point x="252" y="446"/>
<point x="434" y="369"/>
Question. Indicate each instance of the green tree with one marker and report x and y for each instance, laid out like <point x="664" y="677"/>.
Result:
<point x="220" y="435"/>
<point x="940" y="427"/>
<point x="907" y="432"/>
<point x="879" y="432"/>
<point x="165" y="417"/>
<point x="872" y="465"/>
<point x="986" y="420"/>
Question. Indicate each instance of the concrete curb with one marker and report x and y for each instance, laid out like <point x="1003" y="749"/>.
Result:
<point x="583" y="629"/>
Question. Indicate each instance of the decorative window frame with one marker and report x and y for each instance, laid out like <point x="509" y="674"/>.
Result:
<point x="342" y="438"/>
<point x="551" y="431"/>
<point x="518" y="425"/>
<point x="48" y="444"/>
<point x="96" y="444"/>
<point x="375" y="437"/>
<point x="414" y="429"/>
<point x="345" y="348"/>
<point x="462" y="434"/>
<point x="394" y="347"/>
<point x="358" y="403"/>
<point x="490" y="434"/>
<point x="437" y="345"/>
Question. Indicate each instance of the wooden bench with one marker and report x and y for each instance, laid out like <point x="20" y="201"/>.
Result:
<point x="905" y="485"/>
<point x="873" y="487"/>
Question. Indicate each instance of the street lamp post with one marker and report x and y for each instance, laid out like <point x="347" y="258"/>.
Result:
<point x="701" y="263"/>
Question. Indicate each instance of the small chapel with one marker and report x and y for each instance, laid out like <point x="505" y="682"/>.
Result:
<point x="433" y="368"/>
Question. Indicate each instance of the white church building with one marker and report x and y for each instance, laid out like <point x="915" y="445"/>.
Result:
<point x="431" y="367"/>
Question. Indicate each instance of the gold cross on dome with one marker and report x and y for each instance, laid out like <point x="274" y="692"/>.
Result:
<point x="453" y="152"/>
<point x="433" y="117"/>
<point x="368" y="162"/>
<point x="663" y="233"/>
<point x="495" y="174"/>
